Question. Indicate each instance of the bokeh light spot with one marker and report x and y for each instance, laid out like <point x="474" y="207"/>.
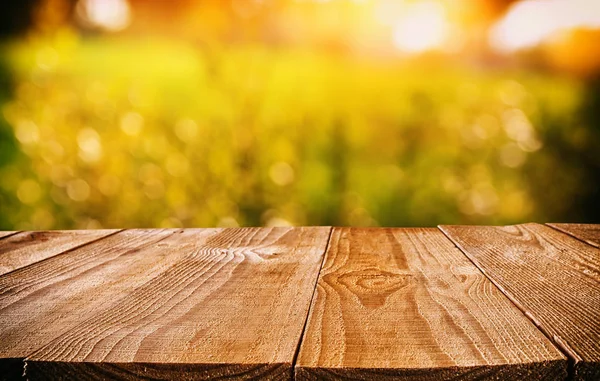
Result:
<point x="132" y="123"/>
<point x="186" y="130"/>
<point x="423" y="27"/>
<point x="112" y="15"/>
<point x="90" y="145"/>
<point x="281" y="173"/>
<point x="29" y="191"/>
<point x="529" y="23"/>
<point x="27" y="132"/>
<point x="78" y="190"/>
<point x="512" y="156"/>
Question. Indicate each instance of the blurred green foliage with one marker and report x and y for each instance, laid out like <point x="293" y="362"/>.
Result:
<point x="102" y="132"/>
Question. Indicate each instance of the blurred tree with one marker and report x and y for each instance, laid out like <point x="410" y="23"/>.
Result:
<point x="575" y="51"/>
<point x="15" y="17"/>
<point x="589" y="205"/>
<point x="261" y="112"/>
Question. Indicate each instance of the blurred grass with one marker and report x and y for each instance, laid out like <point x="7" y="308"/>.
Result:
<point x="103" y="132"/>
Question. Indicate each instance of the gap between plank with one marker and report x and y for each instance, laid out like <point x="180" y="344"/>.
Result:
<point x="10" y="235"/>
<point x="570" y="235"/>
<point x="62" y="252"/>
<point x="572" y="357"/>
<point x="295" y="358"/>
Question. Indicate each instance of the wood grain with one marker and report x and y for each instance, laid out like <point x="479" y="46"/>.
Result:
<point x="6" y="233"/>
<point x="554" y="278"/>
<point x="589" y="233"/>
<point x="232" y="307"/>
<point x="25" y="248"/>
<point x="406" y="304"/>
<point x="39" y="302"/>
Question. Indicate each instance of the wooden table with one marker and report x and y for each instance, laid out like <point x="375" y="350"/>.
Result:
<point x="311" y="303"/>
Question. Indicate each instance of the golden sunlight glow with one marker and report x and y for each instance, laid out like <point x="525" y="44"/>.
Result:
<point x="531" y="22"/>
<point x="111" y="15"/>
<point x="423" y="26"/>
<point x="183" y="113"/>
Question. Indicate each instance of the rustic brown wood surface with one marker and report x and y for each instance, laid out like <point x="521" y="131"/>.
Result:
<point x="5" y="233"/>
<point x="25" y="248"/>
<point x="589" y="233"/>
<point x="39" y="302"/>
<point x="553" y="277"/>
<point x="232" y="306"/>
<point x="406" y="304"/>
<point x="268" y="303"/>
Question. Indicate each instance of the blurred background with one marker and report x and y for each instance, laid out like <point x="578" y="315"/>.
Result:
<point x="151" y="113"/>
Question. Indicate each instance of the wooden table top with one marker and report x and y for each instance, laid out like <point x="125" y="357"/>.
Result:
<point x="309" y="303"/>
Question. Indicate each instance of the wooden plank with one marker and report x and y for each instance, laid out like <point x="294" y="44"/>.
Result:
<point x="406" y="304"/>
<point x="25" y="248"/>
<point x="589" y="233"/>
<point x="231" y="307"/>
<point x="39" y="302"/>
<point x="6" y="233"/>
<point x="554" y="278"/>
